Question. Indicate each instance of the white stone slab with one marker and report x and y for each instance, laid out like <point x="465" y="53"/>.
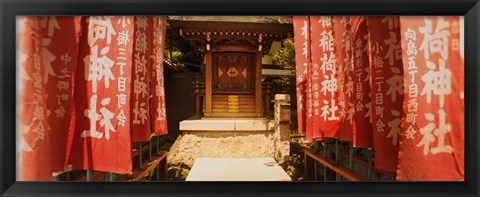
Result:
<point x="237" y="169"/>
<point x="227" y="125"/>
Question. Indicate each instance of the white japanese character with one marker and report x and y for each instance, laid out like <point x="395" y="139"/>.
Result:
<point x="328" y="63"/>
<point x="139" y="87"/>
<point x="51" y="22"/>
<point x="121" y="100"/>
<point x="394" y="52"/>
<point x="430" y="130"/>
<point x="410" y="134"/>
<point x="326" y="21"/>
<point x="410" y="34"/>
<point x="326" y="41"/>
<point x="107" y="117"/>
<point x="141" y="42"/>
<point x="93" y="116"/>
<point x="140" y="64"/>
<point x="123" y="38"/>
<point x="435" y="42"/>
<point x="102" y="28"/>
<point x="141" y="112"/>
<point x="48" y="58"/>
<point x="380" y="125"/>
<point x="60" y="112"/>
<point x="392" y="21"/>
<point x="437" y="82"/>
<point x="141" y="22"/>
<point x="66" y="58"/>
<point x="329" y="84"/>
<point x="359" y="106"/>
<point x="63" y="85"/>
<point x="124" y="20"/>
<point x="122" y="84"/>
<point x="394" y="127"/>
<point x="395" y="84"/>
<point x="379" y="111"/>
<point x="98" y="67"/>
<point x="121" y="118"/>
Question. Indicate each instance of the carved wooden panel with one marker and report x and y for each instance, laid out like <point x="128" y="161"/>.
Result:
<point x="232" y="72"/>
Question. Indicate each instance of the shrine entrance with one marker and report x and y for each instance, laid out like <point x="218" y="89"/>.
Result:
<point x="233" y="85"/>
<point x="233" y="108"/>
<point x="233" y="52"/>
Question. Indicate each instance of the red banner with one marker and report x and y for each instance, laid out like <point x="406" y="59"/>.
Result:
<point x="362" y="119"/>
<point x="325" y="115"/>
<point x="157" y="107"/>
<point x="431" y="142"/>
<point x="47" y="56"/>
<point x="343" y="50"/>
<point x="101" y="139"/>
<point x="387" y="88"/>
<point x="142" y="61"/>
<point x="301" y="28"/>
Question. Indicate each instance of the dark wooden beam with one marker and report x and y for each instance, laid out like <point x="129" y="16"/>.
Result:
<point x="219" y="26"/>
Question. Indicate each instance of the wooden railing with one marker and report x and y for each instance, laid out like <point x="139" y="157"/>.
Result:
<point x="145" y="159"/>
<point x="334" y="168"/>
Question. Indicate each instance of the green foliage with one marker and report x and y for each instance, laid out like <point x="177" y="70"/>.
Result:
<point x="285" y="57"/>
<point x="172" y="57"/>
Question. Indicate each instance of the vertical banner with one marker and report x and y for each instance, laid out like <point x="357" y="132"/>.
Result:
<point x="101" y="137"/>
<point x="140" y="101"/>
<point x="301" y="28"/>
<point x="343" y="50"/>
<point x="325" y="116"/>
<point x="48" y="55"/>
<point x="431" y="142"/>
<point x="157" y="107"/>
<point x="362" y="126"/>
<point x="386" y="70"/>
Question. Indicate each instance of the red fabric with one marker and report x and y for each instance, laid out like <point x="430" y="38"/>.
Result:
<point x="142" y="61"/>
<point x="362" y="122"/>
<point x="431" y="144"/>
<point x="386" y="70"/>
<point x="157" y="107"/>
<point x="101" y="139"/>
<point x="325" y="114"/>
<point x="343" y="50"/>
<point x="48" y="53"/>
<point x="301" y="32"/>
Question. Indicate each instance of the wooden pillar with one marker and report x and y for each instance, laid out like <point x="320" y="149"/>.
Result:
<point x="258" y="84"/>
<point x="208" y="82"/>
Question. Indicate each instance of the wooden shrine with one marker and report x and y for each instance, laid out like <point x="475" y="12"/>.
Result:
<point x="233" y="54"/>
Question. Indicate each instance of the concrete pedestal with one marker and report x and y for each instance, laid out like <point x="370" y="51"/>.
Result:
<point x="237" y="169"/>
<point x="228" y="138"/>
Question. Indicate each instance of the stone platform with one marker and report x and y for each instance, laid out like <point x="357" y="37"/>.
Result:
<point x="219" y="124"/>
<point x="237" y="169"/>
<point x="234" y="137"/>
<point x="229" y="138"/>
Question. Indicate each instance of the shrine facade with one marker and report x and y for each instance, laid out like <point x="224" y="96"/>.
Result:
<point x="233" y="51"/>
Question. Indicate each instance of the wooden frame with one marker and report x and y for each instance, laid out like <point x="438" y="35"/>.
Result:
<point x="9" y="9"/>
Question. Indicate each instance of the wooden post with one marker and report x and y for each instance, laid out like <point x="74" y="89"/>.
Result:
<point x="208" y="83"/>
<point x="308" y="165"/>
<point x="267" y="101"/>
<point x="325" y="156"/>
<point x="258" y="84"/>
<point x="89" y="175"/>
<point x="196" y="89"/>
